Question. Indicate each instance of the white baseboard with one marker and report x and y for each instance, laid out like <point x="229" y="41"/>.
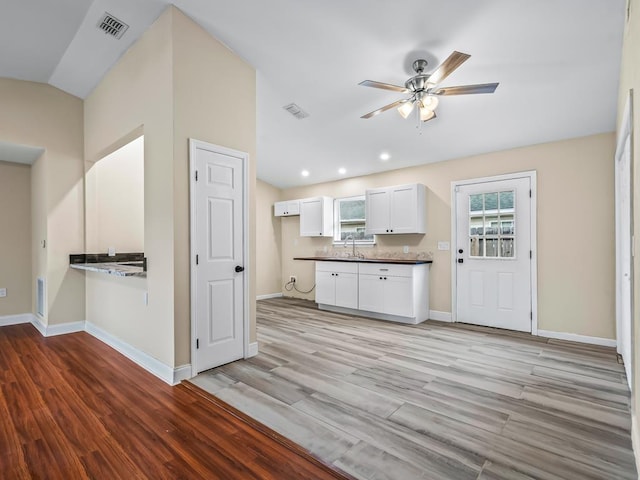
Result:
<point x="574" y="337"/>
<point x="180" y="373"/>
<point x="37" y="322"/>
<point x="146" y="361"/>
<point x="439" y="316"/>
<point x="269" y="295"/>
<point x="253" y="350"/>
<point x="7" y="320"/>
<point x="64" y="328"/>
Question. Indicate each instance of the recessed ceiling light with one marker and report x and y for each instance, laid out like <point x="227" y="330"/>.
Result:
<point x="384" y="156"/>
<point x="342" y="171"/>
<point x="305" y="173"/>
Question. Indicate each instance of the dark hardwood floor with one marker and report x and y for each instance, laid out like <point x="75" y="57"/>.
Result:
<point x="72" y="408"/>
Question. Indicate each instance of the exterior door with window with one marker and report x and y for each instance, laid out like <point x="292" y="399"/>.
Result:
<point x="493" y="254"/>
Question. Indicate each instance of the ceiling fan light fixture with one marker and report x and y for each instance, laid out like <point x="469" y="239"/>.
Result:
<point x="426" y="114"/>
<point x="405" y="109"/>
<point x="430" y="102"/>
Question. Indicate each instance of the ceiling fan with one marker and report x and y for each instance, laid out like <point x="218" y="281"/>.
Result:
<point x="423" y="88"/>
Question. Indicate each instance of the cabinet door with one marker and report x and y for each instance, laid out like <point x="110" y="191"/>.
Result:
<point x="293" y="207"/>
<point x="346" y="290"/>
<point x="398" y="296"/>
<point x="407" y="209"/>
<point x="280" y="209"/>
<point x="377" y="211"/>
<point x="371" y="293"/>
<point x="311" y="211"/>
<point x="325" y="288"/>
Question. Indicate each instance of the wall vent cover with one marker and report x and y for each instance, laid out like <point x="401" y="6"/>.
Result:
<point x="296" y="111"/>
<point x="112" y="26"/>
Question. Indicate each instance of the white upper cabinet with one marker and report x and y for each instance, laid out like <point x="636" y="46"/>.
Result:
<point x="287" y="208"/>
<point x="399" y="209"/>
<point x="316" y="217"/>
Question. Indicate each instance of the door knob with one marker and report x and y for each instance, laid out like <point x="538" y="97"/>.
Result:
<point x="239" y="269"/>
<point x="459" y="250"/>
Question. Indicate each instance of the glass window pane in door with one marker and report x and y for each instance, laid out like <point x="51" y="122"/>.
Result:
<point x="492" y="247"/>
<point x="490" y="201"/>
<point x="506" y="224"/>
<point x="506" y="201"/>
<point x="475" y="247"/>
<point x="491" y="225"/>
<point x="506" y="247"/>
<point x="475" y="203"/>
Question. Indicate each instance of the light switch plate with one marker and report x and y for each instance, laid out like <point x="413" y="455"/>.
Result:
<point x="443" y="245"/>
<point x="405" y="249"/>
<point x="112" y="251"/>
<point x="3" y="292"/>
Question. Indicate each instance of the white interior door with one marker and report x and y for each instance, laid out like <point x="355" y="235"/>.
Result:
<point x="218" y="283"/>
<point x="493" y="254"/>
<point x="624" y="278"/>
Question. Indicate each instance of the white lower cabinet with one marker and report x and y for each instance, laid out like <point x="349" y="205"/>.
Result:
<point x="379" y="290"/>
<point x="337" y="284"/>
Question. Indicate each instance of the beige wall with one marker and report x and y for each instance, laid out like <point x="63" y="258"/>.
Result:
<point x="575" y="227"/>
<point x="15" y="238"/>
<point x="169" y="86"/>
<point x="214" y="101"/>
<point x="268" y="231"/>
<point x="115" y="201"/>
<point x="43" y="116"/>
<point x="137" y="92"/>
<point x="630" y="80"/>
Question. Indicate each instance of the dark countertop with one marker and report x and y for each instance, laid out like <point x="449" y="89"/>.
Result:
<point x="398" y="261"/>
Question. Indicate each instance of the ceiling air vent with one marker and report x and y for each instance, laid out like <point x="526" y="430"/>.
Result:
<point x="296" y="111"/>
<point x="112" y="26"/>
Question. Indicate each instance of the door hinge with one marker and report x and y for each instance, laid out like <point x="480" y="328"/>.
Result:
<point x="197" y="259"/>
<point x="529" y="193"/>
<point x="196" y="175"/>
<point x="197" y="343"/>
<point x="530" y="253"/>
<point x="531" y="315"/>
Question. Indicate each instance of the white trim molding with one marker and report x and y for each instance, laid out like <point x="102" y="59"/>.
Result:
<point x="37" y="322"/>
<point x="253" y="350"/>
<point x="64" y="328"/>
<point x="574" y="337"/>
<point x="162" y="371"/>
<point x="440" y="316"/>
<point x="7" y="320"/>
<point x="269" y="295"/>
<point x="183" y="372"/>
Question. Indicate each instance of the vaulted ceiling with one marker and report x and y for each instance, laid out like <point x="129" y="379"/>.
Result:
<point x="557" y="63"/>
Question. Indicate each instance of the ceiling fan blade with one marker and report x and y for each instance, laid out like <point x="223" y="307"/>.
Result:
<point x="466" y="89"/>
<point x="384" y="86"/>
<point x="448" y="66"/>
<point x="385" y="108"/>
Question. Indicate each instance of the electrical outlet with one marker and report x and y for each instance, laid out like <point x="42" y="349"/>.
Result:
<point x="292" y="279"/>
<point x="405" y="249"/>
<point x="111" y="251"/>
<point x="3" y="292"/>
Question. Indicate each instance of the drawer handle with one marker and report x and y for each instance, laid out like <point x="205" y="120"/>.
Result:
<point x="384" y="269"/>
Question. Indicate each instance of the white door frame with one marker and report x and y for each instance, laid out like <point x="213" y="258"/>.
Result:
<point x="193" y="145"/>
<point x="531" y="175"/>
<point x="625" y="132"/>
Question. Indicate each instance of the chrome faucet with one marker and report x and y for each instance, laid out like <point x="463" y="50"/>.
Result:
<point x="353" y="243"/>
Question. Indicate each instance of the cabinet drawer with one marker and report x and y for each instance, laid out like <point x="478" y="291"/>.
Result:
<point x="389" y="269"/>
<point x="337" y="267"/>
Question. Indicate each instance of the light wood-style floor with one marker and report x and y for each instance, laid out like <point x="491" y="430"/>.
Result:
<point x="433" y="401"/>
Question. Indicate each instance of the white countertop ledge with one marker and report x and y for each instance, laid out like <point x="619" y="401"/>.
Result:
<point x="117" y="269"/>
